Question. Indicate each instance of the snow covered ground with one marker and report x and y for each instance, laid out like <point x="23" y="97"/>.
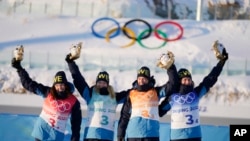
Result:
<point x="47" y="40"/>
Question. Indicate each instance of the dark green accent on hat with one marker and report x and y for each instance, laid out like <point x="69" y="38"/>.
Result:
<point x="184" y="73"/>
<point x="144" y="72"/>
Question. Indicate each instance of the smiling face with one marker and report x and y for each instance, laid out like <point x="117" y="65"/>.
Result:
<point x="101" y="84"/>
<point x="186" y="81"/>
<point x="60" y="87"/>
<point x="142" y="80"/>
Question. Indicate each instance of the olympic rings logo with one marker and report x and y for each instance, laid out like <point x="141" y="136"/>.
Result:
<point x="129" y="33"/>
<point x="60" y="105"/>
<point x="184" y="99"/>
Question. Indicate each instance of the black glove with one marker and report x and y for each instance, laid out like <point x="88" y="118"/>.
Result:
<point x="225" y="55"/>
<point x="67" y="59"/>
<point x="16" y="64"/>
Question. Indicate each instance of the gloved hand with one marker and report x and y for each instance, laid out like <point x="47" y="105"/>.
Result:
<point x="16" y="64"/>
<point x="166" y="60"/>
<point x="225" y="55"/>
<point x="68" y="58"/>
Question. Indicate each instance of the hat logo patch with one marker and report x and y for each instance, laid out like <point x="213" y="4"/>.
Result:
<point x="184" y="73"/>
<point x="145" y="72"/>
<point x="103" y="76"/>
<point x="58" y="79"/>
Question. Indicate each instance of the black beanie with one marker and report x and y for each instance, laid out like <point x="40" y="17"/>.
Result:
<point x="60" y="77"/>
<point x="184" y="73"/>
<point x="144" y="72"/>
<point x="102" y="76"/>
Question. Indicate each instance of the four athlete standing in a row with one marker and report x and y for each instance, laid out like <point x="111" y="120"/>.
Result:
<point x="139" y="117"/>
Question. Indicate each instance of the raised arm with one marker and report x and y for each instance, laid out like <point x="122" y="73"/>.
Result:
<point x="27" y="82"/>
<point x="170" y="88"/>
<point x="173" y="82"/>
<point x="78" y="79"/>
<point x="167" y="62"/>
<point x="212" y="77"/>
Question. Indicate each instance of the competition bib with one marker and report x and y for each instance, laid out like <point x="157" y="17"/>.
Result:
<point x="185" y="111"/>
<point x="101" y="112"/>
<point x="144" y="104"/>
<point x="56" y="112"/>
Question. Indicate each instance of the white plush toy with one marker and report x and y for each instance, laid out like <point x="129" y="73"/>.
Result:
<point x="166" y="60"/>
<point x="18" y="53"/>
<point x="218" y="49"/>
<point x="75" y="51"/>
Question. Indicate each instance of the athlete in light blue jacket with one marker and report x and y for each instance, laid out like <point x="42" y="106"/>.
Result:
<point x="185" y="120"/>
<point x="101" y="102"/>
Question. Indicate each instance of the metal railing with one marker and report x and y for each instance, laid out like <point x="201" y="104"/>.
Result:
<point x="142" y="9"/>
<point x="90" y="62"/>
